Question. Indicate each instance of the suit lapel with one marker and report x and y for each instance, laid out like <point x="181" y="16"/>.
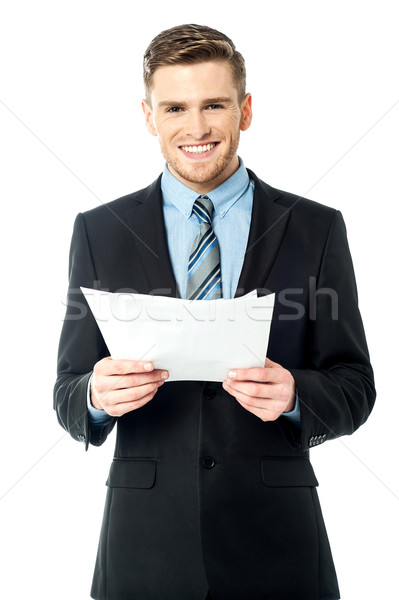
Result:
<point x="268" y="223"/>
<point x="147" y="225"/>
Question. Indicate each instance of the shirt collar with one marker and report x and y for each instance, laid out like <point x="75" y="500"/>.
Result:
<point x="223" y="197"/>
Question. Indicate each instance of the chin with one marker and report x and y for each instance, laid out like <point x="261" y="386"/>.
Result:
<point x="202" y="173"/>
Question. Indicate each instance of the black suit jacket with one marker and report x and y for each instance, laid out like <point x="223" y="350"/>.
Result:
<point x="201" y="493"/>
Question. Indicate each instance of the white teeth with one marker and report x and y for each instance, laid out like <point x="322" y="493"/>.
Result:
<point x="198" y="149"/>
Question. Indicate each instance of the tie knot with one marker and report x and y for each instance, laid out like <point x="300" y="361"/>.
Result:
<point x="203" y="209"/>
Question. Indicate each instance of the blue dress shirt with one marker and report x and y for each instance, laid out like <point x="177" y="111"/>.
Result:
<point x="231" y="221"/>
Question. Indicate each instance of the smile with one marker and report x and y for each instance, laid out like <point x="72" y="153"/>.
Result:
<point x="198" y="149"/>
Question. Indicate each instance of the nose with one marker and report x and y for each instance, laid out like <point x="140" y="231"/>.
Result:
<point x="197" y="125"/>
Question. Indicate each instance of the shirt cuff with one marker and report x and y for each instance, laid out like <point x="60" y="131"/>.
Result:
<point x="295" y="414"/>
<point x="96" y="416"/>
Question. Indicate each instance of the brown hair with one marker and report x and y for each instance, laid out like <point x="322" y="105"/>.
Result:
<point x="189" y="44"/>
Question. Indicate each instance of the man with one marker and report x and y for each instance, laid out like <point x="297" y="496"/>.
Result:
<point x="211" y="493"/>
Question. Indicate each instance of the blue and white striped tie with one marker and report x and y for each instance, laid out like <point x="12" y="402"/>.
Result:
<point x="204" y="276"/>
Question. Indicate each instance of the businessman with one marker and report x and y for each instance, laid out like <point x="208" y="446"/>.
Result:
<point x="211" y="493"/>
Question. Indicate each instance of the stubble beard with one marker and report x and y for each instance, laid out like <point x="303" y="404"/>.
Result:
<point x="201" y="173"/>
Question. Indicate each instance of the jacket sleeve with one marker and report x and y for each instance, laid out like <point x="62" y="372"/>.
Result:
<point x="336" y="393"/>
<point x="81" y="346"/>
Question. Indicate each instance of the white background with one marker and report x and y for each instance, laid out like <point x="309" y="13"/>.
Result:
<point x="324" y="79"/>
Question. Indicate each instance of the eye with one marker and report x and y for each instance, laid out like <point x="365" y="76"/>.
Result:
<point x="214" y="106"/>
<point x="174" y="109"/>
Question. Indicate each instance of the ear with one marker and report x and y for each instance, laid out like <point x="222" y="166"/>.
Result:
<point x="147" y="110"/>
<point x="246" y="112"/>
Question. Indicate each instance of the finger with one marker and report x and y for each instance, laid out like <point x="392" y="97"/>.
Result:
<point x="251" y="389"/>
<point x="261" y="403"/>
<point x="262" y="375"/>
<point x="112" y="398"/>
<point x="254" y="374"/>
<point x="110" y="366"/>
<point x="274" y="403"/>
<point x="119" y="382"/>
<point x="279" y="391"/>
<point x="118" y="410"/>
<point x="262" y="407"/>
<point x="264" y="415"/>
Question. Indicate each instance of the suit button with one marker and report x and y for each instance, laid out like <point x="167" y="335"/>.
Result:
<point x="209" y="462"/>
<point x="210" y="392"/>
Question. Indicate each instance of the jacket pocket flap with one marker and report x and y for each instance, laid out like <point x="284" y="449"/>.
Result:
<point x="132" y="473"/>
<point x="288" y="472"/>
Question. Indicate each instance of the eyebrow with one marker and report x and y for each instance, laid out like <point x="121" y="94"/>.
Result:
<point x="219" y="100"/>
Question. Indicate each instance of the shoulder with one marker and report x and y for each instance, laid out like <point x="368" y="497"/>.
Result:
<point x="118" y="208"/>
<point x="299" y="206"/>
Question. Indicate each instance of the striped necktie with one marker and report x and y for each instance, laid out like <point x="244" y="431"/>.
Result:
<point x="204" y="276"/>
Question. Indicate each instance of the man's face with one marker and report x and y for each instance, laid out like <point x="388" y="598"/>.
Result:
<point x="196" y="114"/>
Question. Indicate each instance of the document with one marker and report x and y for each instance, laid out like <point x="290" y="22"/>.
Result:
<point x="197" y="340"/>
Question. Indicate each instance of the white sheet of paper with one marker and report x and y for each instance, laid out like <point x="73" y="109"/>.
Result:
<point x="192" y="339"/>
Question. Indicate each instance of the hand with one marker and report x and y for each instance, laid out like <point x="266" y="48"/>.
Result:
<point x="120" y="386"/>
<point x="266" y="392"/>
